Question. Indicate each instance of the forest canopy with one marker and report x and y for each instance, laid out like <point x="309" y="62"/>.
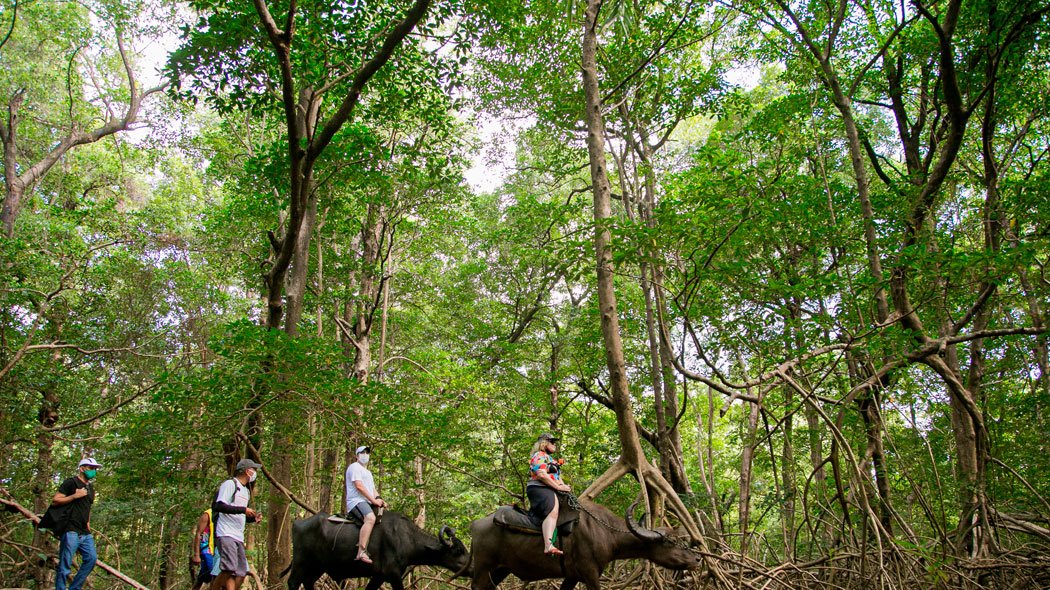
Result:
<point x="775" y="271"/>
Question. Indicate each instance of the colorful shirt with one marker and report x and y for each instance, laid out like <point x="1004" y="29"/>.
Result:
<point x="207" y="539"/>
<point x="541" y="462"/>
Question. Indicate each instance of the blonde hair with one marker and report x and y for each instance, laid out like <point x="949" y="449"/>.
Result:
<point x="539" y="443"/>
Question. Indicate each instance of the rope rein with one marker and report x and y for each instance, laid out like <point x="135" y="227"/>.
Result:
<point x="573" y="503"/>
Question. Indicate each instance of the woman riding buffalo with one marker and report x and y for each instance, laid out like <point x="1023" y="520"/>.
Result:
<point x="543" y="487"/>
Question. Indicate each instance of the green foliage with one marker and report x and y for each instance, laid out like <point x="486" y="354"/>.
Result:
<point x="130" y="296"/>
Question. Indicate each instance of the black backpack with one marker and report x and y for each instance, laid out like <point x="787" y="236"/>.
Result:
<point x="55" y="519"/>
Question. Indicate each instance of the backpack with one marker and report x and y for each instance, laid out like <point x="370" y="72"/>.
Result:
<point x="215" y="497"/>
<point x="55" y="519"/>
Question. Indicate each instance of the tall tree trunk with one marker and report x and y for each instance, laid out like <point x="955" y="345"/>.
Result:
<point x="304" y="149"/>
<point x="661" y="369"/>
<point x="373" y="232"/>
<point x="706" y="467"/>
<point x="632" y="457"/>
<point x="298" y="274"/>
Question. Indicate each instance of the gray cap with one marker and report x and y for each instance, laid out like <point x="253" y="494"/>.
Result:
<point x="362" y="449"/>
<point x="548" y="436"/>
<point x="89" y="461"/>
<point x="246" y="464"/>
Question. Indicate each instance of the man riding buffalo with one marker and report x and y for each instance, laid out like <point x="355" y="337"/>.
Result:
<point x="324" y="546"/>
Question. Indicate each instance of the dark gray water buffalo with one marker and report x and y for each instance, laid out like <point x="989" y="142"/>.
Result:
<point x="320" y="546"/>
<point x="599" y="538"/>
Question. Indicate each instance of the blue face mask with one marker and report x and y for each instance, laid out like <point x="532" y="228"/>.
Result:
<point x="90" y="474"/>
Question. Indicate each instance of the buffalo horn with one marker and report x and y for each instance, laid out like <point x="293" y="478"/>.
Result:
<point x="640" y="532"/>
<point x="446" y="530"/>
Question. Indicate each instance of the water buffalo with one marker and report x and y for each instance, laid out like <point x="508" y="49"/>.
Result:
<point x="320" y="546"/>
<point x="598" y="539"/>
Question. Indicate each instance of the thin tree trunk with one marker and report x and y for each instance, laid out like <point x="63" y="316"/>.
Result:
<point x="381" y="362"/>
<point x="328" y="469"/>
<point x="312" y="445"/>
<point x="420" y="491"/>
<point x="814" y="429"/>
<point x="372" y="232"/>
<point x="871" y="413"/>
<point x="787" y="464"/>
<point x="747" y="456"/>
<point x="278" y="537"/>
<point x="43" y="487"/>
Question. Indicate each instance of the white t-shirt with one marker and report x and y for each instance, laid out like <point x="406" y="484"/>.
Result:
<point x="232" y="525"/>
<point x="358" y="472"/>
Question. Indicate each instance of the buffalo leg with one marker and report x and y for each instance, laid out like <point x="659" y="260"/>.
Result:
<point x="306" y="580"/>
<point x="489" y="580"/>
<point x="568" y="584"/>
<point x="376" y="581"/>
<point x="294" y="581"/>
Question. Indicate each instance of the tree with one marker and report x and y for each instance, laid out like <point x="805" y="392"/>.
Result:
<point x="49" y="53"/>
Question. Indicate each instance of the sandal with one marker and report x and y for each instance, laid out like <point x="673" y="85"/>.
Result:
<point x="552" y="551"/>
<point x="364" y="558"/>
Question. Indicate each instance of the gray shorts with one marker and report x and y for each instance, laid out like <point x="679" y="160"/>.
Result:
<point x="362" y="510"/>
<point x="231" y="556"/>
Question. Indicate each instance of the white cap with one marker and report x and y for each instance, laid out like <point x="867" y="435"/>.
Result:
<point x="362" y="449"/>
<point x="89" y="461"/>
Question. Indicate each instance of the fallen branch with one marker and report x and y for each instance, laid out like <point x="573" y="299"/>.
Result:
<point x="273" y="481"/>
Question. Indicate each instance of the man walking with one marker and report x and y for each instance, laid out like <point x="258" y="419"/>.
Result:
<point x="360" y="497"/>
<point x="77" y="494"/>
<point x="231" y="506"/>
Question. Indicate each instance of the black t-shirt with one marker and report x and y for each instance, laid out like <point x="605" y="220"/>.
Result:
<point x="79" y="509"/>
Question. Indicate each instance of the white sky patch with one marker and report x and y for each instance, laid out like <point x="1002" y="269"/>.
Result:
<point x="744" y="76"/>
<point x="495" y="159"/>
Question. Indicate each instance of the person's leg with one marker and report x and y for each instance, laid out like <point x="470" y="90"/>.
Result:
<point x="237" y="581"/>
<point x="219" y="582"/>
<point x="88" y="557"/>
<point x="67" y="546"/>
<point x="549" y="524"/>
<point x="204" y="577"/>
<point x="362" y="539"/>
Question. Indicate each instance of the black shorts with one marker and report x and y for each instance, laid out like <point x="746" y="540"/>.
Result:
<point x="541" y="500"/>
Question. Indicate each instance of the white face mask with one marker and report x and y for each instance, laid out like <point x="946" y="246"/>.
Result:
<point x="252" y="477"/>
<point x="363" y="458"/>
